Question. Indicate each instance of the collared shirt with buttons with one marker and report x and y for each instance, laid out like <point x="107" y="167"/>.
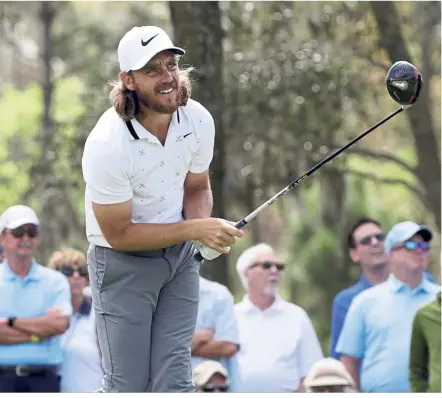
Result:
<point x="33" y="296"/>
<point x="215" y="312"/>
<point x="278" y="346"/>
<point x="341" y="304"/>
<point x="377" y="329"/>
<point x="119" y="165"/>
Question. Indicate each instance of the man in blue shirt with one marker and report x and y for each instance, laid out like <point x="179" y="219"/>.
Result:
<point x="366" y="247"/>
<point x="378" y="325"/>
<point x="35" y="305"/>
<point x="216" y="334"/>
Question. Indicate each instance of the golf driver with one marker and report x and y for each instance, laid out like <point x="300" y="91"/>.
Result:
<point x="403" y="82"/>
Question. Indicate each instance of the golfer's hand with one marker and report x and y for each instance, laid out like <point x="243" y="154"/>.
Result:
<point x="206" y="252"/>
<point x="217" y="234"/>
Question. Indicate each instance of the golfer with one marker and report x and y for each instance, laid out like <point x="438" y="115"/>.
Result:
<point x="148" y="203"/>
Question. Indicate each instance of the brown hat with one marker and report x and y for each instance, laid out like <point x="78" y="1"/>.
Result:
<point x="328" y="372"/>
<point x="204" y="371"/>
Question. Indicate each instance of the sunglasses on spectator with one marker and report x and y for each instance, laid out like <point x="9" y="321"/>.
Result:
<point x="19" y="232"/>
<point x="68" y="271"/>
<point x="368" y="239"/>
<point x="413" y="245"/>
<point x="328" y="388"/>
<point x="212" y="388"/>
<point x="268" y="265"/>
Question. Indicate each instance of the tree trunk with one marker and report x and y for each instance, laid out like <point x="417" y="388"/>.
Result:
<point x="428" y="169"/>
<point x="44" y="168"/>
<point x="197" y="28"/>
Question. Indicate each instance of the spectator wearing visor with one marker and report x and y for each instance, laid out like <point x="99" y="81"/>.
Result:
<point x="35" y="306"/>
<point x="329" y="375"/>
<point x="378" y="325"/>
<point x="210" y="376"/>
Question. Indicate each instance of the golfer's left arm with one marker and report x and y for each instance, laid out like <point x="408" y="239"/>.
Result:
<point x="198" y="200"/>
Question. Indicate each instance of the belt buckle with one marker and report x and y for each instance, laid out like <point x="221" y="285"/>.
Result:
<point x="20" y="371"/>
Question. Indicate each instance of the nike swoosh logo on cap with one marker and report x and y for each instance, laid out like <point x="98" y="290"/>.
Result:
<point x="145" y="43"/>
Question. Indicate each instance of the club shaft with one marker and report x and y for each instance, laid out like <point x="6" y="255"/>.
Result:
<point x="254" y="213"/>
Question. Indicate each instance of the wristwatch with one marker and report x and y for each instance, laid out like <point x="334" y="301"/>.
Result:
<point x="11" y="321"/>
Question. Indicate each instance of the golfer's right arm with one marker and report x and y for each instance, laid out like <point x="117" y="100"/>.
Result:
<point x="115" y="223"/>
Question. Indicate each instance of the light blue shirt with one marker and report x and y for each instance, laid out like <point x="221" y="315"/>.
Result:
<point x="377" y="329"/>
<point x="215" y="312"/>
<point x="33" y="296"/>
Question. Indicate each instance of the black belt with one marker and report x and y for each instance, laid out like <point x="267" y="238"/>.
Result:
<point x="26" y="370"/>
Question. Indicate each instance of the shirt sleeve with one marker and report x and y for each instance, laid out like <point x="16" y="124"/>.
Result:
<point x="206" y="137"/>
<point x="418" y="367"/>
<point x="226" y="328"/>
<point x="337" y="321"/>
<point x="105" y="172"/>
<point x="61" y="297"/>
<point x="351" y="341"/>
<point x="310" y="349"/>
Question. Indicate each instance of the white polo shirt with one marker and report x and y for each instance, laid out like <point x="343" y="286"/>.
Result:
<point x="278" y="346"/>
<point x="117" y="167"/>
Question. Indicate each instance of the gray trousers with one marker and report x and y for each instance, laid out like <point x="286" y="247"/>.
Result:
<point x="146" y="306"/>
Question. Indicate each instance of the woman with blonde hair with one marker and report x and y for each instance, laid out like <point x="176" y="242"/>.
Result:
<point x="81" y="369"/>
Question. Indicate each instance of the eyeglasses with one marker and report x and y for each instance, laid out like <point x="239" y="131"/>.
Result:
<point x="214" y="388"/>
<point x="413" y="245"/>
<point x="368" y="239"/>
<point x="68" y="271"/>
<point x="268" y="265"/>
<point x="19" y="232"/>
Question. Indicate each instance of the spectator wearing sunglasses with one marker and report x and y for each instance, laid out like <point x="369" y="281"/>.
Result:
<point x="81" y="370"/>
<point x="210" y="376"/>
<point x="35" y="307"/>
<point x="366" y="247"/>
<point x="1" y="252"/>
<point x="379" y="322"/>
<point x="277" y="339"/>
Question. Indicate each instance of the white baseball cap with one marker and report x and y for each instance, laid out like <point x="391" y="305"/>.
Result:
<point x="18" y="215"/>
<point x="141" y="44"/>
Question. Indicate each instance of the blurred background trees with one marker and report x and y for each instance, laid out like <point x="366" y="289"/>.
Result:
<point x="287" y="82"/>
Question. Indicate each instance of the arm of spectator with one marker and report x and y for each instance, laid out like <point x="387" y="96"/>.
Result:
<point x="351" y="343"/>
<point x="200" y="337"/>
<point x="56" y="319"/>
<point x="224" y="342"/>
<point x="53" y="323"/>
<point x="309" y="349"/>
<point x="11" y="336"/>
<point x="418" y="368"/>
<point x="337" y="321"/>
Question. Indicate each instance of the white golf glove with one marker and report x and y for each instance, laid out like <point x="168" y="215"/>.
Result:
<point x="207" y="252"/>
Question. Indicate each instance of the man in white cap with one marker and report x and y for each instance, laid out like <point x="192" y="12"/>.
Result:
<point x="277" y="339"/>
<point x="379" y="322"/>
<point x="35" y="305"/>
<point x="329" y="375"/>
<point x="148" y="205"/>
<point x="210" y="376"/>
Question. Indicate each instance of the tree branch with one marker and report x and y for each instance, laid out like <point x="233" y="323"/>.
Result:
<point x="380" y="155"/>
<point x="392" y="181"/>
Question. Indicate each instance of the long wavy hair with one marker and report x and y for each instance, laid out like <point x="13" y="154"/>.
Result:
<point x="127" y="104"/>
